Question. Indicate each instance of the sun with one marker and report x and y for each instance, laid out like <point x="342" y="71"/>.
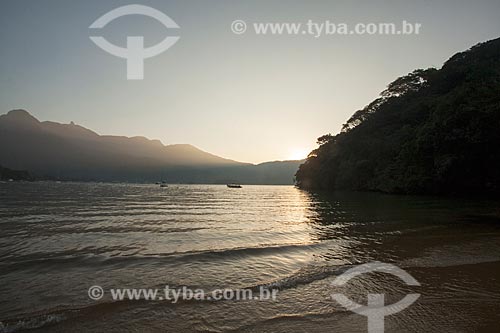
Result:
<point x="298" y="153"/>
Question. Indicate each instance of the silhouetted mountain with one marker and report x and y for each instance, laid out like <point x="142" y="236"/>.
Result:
<point x="9" y="174"/>
<point x="69" y="151"/>
<point x="432" y="131"/>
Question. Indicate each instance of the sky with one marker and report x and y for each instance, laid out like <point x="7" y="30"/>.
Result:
<point x="248" y="97"/>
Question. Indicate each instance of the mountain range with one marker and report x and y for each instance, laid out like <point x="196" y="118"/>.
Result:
<point x="72" y="152"/>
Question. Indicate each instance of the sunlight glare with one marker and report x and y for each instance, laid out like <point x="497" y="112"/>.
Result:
<point x="298" y="154"/>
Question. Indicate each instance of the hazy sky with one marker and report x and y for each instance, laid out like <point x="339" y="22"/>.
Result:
<point x="247" y="97"/>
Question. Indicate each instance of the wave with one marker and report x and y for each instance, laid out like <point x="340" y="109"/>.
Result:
<point x="304" y="276"/>
<point x="54" y="316"/>
<point x="31" y="322"/>
<point x="437" y="262"/>
<point x="465" y="253"/>
<point x="311" y="317"/>
<point x="312" y="273"/>
<point x="243" y="251"/>
<point x="82" y="256"/>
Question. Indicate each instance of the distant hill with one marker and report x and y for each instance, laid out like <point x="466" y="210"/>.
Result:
<point x="432" y="131"/>
<point x="72" y="152"/>
<point x="9" y="174"/>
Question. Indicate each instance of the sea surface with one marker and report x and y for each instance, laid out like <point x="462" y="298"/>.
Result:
<point x="59" y="239"/>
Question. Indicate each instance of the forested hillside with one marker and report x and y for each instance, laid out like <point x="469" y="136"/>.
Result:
<point x="431" y="131"/>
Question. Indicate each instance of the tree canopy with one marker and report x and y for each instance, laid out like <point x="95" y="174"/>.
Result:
<point x="431" y="131"/>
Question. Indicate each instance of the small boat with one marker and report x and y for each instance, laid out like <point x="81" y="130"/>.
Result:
<point x="163" y="185"/>
<point x="233" y="185"/>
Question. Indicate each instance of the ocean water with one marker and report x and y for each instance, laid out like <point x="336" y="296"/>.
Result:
<point x="59" y="239"/>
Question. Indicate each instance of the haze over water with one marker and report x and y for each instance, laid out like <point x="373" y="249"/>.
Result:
<point x="54" y="246"/>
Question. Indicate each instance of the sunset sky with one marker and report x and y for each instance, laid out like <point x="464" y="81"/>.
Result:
<point x="247" y="97"/>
